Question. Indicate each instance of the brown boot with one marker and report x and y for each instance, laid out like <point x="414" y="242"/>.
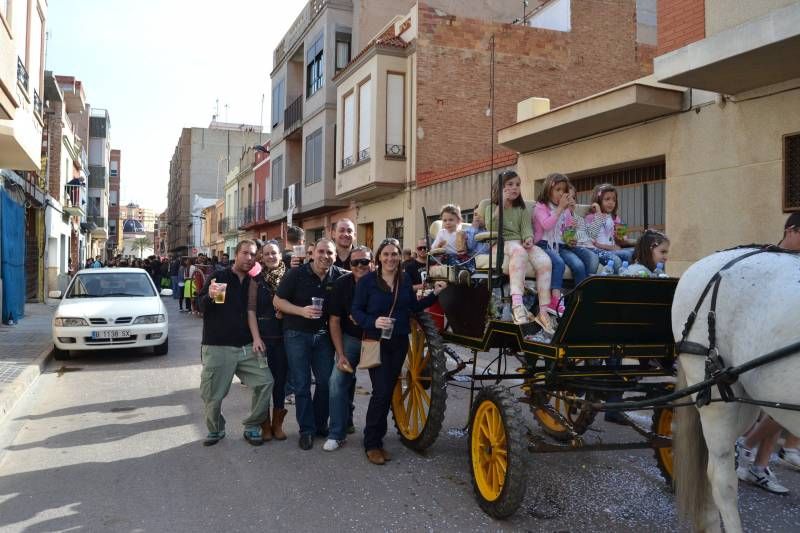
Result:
<point x="277" y="423"/>
<point x="375" y="457"/>
<point x="266" y="429"/>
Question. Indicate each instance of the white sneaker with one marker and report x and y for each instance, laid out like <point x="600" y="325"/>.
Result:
<point x="332" y="445"/>
<point x="790" y="456"/>
<point x="744" y="456"/>
<point x="764" y="479"/>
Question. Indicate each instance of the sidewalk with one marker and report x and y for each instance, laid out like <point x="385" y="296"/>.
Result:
<point x="25" y="349"/>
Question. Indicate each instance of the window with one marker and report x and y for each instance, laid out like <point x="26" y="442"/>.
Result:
<point x="640" y="194"/>
<point x="316" y="234"/>
<point x="364" y="119"/>
<point x="791" y="173"/>
<point x="278" y="95"/>
<point x="348" y="124"/>
<point x="277" y="179"/>
<point x="394" y="229"/>
<point x="315" y="70"/>
<point x="314" y="158"/>
<point x="467" y="215"/>
<point x="114" y="172"/>
<point x="342" y="50"/>
<point x="395" y="84"/>
<point x="554" y="16"/>
<point x="112" y="197"/>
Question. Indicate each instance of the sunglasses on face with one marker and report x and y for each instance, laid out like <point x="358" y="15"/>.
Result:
<point x="391" y="241"/>
<point x="360" y="262"/>
<point x="422" y="247"/>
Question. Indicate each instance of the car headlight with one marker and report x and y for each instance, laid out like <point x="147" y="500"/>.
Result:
<point x="70" y="322"/>
<point x="149" y="319"/>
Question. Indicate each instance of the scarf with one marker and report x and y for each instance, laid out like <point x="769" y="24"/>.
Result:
<point x="273" y="276"/>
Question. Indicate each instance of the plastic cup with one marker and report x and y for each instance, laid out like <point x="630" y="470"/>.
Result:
<point x="299" y="250"/>
<point x="570" y="236"/>
<point x="621" y="230"/>
<point x="220" y="297"/>
<point x="386" y="333"/>
<point x="316" y="303"/>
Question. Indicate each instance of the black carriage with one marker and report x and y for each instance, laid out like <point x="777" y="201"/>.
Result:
<point x="614" y="339"/>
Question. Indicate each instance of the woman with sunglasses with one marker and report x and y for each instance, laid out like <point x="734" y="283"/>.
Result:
<point x="385" y="300"/>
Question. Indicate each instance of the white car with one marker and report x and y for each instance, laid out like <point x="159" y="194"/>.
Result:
<point x="110" y="308"/>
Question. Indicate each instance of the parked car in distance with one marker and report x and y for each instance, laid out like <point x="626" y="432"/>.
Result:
<point x="108" y="309"/>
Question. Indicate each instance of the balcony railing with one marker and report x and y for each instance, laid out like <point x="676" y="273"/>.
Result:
<point x="22" y="74"/>
<point x="348" y="162"/>
<point x="37" y="103"/>
<point x="247" y="216"/>
<point x="395" y="151"/>
<point x="74" y="199"/>
<point x="229" y="225"/>
<point x="260" y="212"/>
<point x="363" y="154"/>
<point x="293" y="116"/>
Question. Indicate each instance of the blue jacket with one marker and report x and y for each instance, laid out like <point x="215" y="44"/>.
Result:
<point x="371" y="301"/>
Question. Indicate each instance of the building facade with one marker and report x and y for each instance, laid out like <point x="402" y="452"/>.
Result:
<point x="99" y="168"/>
<point x="416" y="121"/>
<point x="114" y="242"/>
<point x="708" y="147"/>
<point x="202" y="159"/>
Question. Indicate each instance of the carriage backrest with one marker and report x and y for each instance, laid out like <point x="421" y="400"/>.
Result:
<point x="619" y="310"/>
<point x="436" y="226"/>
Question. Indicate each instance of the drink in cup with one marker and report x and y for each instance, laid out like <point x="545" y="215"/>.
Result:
<point x="220" y="297"/>
<point x="299" y="250"/>
<point x="316" y="303"/>
<point x="570" y="236"/>
<point x="386" y="333"/>
<point x="620" y="230"/>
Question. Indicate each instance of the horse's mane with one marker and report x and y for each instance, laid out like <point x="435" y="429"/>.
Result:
<point x="774" y="248"/>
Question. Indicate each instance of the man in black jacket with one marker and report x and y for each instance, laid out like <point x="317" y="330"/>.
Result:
<point x="227" y="348"/>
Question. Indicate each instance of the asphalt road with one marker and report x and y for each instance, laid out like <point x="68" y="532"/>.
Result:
<point x="111" y="442"/>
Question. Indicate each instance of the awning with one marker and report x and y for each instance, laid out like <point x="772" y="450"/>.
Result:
<point x="628" y="104"/>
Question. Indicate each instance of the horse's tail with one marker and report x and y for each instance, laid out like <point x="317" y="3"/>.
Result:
<point x="690" y="456"/>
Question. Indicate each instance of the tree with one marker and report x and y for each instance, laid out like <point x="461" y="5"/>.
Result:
<point x="141" y="244"/>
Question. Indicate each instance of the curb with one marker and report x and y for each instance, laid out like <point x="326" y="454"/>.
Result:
<point x="12" y="393"/>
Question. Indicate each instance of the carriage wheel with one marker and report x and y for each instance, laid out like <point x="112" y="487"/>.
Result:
<point x="560" y="417"/>
<point x="498" y="452"/>
<point x="662" y="425"/>
<point x="419" y="398"/>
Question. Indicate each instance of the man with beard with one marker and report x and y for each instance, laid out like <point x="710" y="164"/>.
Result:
<point x="227" y="348"/>
<point x="302" y="298"/>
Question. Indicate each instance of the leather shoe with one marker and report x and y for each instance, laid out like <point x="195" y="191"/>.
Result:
<point x="306" y="442"/>
<point x="375" y="457"/>
<point x="386" y="455"/>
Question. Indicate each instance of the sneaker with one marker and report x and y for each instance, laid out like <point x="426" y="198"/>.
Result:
<point x="520" y="314"/>
<point x="744" y="456"/>
<point x="790" y="457"/>
<point x="289" y="400"/>
<point x="556" y="309"/>
<point x="332" y="445"/>
<point x="764" y="479"/>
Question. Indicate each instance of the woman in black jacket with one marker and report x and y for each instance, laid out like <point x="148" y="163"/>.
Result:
<point x="265" y="326"/>
<point x="376" y="307"/>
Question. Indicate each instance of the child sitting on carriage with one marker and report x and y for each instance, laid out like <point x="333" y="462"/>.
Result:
<point x="454" y="242"/>
<point x="649" y="255"/>
<point x="520" y="250"/>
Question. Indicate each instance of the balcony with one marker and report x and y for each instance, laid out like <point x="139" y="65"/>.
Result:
<point x="291" y="197"/>
<point x="22" y="74"/>
<point x="293" y="117"/>
<point x="254" y="214"/>
<point x="371" y="177"/>
<point x="230" y="225"/>
<point x="74" y="200"/>
<point x="758" y="53"/>
<point x="247" y="217"/>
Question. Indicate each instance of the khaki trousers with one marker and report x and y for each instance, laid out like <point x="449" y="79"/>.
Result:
<point x="220" y="364"/>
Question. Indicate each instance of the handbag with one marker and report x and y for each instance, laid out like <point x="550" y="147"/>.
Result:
<point x="371" y="348"/>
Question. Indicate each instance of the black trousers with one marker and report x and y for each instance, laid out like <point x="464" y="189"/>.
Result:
<point x="384" y="378"/>
<point x="279" y="366"/>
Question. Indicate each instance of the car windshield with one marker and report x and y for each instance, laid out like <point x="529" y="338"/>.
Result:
<point x="122" y="284"/>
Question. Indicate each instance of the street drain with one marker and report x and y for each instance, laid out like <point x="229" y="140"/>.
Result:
<point x="122" y="409"/>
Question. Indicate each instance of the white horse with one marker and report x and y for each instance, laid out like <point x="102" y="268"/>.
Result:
<point x="756" y="312"/>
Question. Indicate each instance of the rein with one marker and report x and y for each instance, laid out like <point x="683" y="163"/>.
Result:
<point x="716" y="373"/>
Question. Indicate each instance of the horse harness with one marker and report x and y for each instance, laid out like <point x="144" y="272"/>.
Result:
<point x="716" y="373"/>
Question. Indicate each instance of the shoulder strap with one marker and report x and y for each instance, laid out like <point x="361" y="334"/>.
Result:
<point x="398" y="275"/>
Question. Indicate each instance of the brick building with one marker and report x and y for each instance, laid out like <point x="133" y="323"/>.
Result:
<point x="422" y="87"/>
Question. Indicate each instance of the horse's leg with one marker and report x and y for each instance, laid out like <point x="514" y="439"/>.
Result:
<point x="721" y="427"/>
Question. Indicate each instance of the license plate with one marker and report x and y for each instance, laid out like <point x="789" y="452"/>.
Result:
<point x="111" y="334"/>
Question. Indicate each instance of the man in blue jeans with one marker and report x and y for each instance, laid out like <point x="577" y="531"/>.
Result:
<point x="306" y="339"/>
<point x="174" y="269"/>
<point x="346" y="337"/>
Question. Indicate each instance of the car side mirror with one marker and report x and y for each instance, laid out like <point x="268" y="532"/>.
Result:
<point x="166" y="292"/>
<point x="56" y="295"/>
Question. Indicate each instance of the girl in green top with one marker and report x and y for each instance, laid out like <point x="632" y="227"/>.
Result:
<point x="520" y="250"/>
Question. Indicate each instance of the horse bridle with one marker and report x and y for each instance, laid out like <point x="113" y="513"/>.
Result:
<point x="716" y="373"/>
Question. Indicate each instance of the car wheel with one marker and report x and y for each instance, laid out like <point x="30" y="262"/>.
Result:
<point x="162" y="348"/>
<point x="59" y="354"/>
